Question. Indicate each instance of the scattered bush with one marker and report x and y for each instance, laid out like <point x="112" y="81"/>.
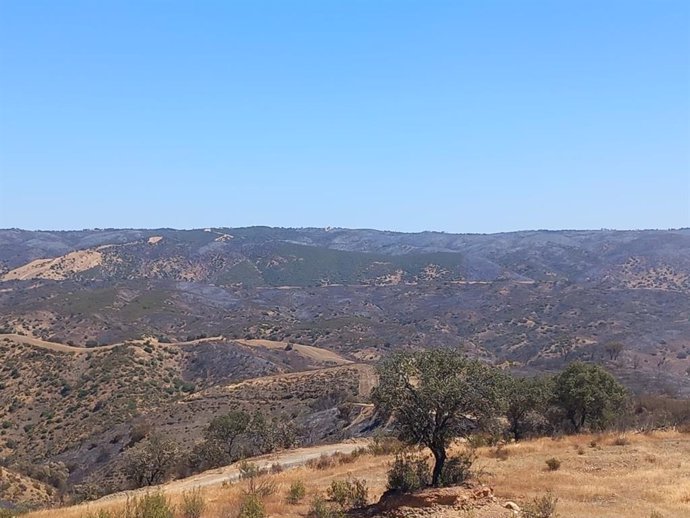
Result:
<point x="408" y="474"/>
<point x="553" y="464"/>
<point x="322" y="509"/>
<point x="385" y="445"/>
<point x="349" y="494"/>
<point x="456" y="470"/>
<point x="322" y="462"/>
<point x="251" y="507"/>
<point x="541" y="507"/>
<point x="252" y="473"/>
<point x="151" y="460"/>
<point x="347" y="458"/>
<point x="193" y="504"/>
<point x="621" y="440"/>
<point x="296" y="492"/>
<point x="150" y="505"/>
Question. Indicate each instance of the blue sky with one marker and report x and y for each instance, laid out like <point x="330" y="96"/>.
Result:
<point x="477" y="116"/>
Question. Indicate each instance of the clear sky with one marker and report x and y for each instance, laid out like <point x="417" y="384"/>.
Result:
<point x="463" y="116"/>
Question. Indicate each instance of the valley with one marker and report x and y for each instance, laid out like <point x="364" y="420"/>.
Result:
<point x="107" y="336"/>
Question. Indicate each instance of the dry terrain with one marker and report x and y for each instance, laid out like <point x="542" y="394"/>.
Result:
<point x="108" y="332"/>
<point x="602" y="476"/>
<point x="78" y="406"/>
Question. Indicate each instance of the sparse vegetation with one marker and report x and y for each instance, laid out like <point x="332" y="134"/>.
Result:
<point x="351" y="493"/>
<point x="321" y="509"/>
<point x="457" y="469"/>
<point x="151" y="461"/>
<point x="193" y="504"/>
<point x="541" y="507"/>
<point x="251" y="507"/>
<point x="621" y="440"/>
<point x="553" y="464"/>
<point x="296" y="492"/>
<point x="150" y="505"/>
<point x="408" y="473"/>
<point x="97" y="407"/>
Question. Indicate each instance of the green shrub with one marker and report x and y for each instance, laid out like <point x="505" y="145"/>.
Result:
<point x="349" y="494"/>
<point x="339" y="492"/>
<point x="385" y="445"/>
<point x="254" y="475"/>
<point x="150" y="505"/>
<point x="252" y="507"/>
<point x="456" y="470"/>
<point x="553" y="464"/>
<point x="408" y="474"/>
<point x="296" y="492"/>
<point x="322" y="509"/>
<point x="541" y="507"/>
<point x="193" y="504"/>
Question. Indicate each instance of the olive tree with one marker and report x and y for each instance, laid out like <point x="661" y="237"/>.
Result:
<point x="151" y="460"/>
<point x="221" y="438"/>
<point x="437" y="396"/>
<point x="526" y="397"/>
<point x="588" y="395"/>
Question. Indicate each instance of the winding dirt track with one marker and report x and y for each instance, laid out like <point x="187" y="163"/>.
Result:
<point x="53" y="346"/>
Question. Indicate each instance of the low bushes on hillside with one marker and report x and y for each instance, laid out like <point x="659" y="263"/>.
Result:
<point x="408" y="473"/>
<point x="296" y="492"/>
<point x="351" y="493"/>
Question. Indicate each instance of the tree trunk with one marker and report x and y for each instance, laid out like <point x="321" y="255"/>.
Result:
<point x="439" y="453"/>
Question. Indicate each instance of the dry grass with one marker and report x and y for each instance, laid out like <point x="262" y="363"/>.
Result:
<point x="649" y="474"/>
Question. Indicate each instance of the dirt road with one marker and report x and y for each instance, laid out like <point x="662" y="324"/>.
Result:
<point x="53" y="346"/>
<point x="287" y="459"/>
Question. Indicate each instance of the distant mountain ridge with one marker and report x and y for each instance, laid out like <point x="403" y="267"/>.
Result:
<point x="266" y="256"/>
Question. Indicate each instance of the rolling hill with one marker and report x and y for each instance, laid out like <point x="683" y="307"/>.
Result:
<point x="105" y="331"/>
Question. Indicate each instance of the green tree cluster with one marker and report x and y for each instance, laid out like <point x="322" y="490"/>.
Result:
<point x="437" y="396"/>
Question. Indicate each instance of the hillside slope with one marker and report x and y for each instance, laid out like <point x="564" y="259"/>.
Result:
<point x="102" y="331"/>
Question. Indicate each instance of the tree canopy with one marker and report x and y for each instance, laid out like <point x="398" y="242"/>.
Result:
<point x="437" y="396"/>
<point x="151" y="461"/>
<point x="524" y="398"/>
<point x="588" y="395"/>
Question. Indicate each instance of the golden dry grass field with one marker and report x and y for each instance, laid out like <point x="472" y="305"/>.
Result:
<point x="600" y="476"/>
